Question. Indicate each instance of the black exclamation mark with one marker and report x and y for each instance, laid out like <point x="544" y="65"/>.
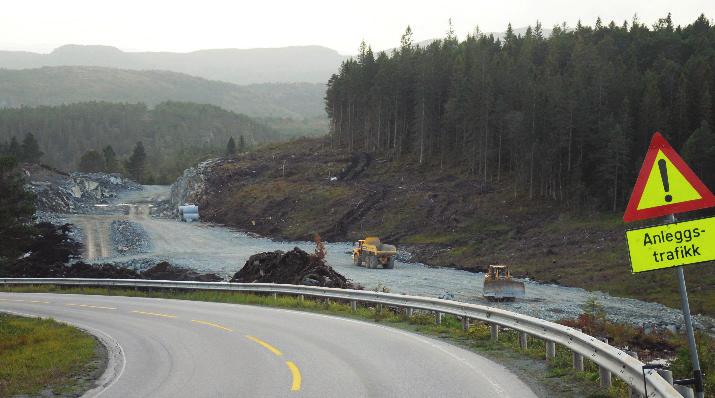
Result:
<point x="664" y="177"/>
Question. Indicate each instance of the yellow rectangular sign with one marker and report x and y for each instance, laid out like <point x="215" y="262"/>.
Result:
<point x="672" y="245"/>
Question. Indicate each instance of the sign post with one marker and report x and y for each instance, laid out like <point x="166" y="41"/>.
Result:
<point x="665" y="186"/>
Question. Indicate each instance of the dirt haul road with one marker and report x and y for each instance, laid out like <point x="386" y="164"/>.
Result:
<point x="212" y="248"/>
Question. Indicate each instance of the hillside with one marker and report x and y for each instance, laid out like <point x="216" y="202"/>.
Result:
<point x="312" y="64"/>
<point x="445" y="217"/>
<point x="174" y="134"/>
<point x="70" y="84"/>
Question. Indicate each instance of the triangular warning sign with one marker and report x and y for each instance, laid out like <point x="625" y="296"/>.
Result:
<point x="666" y="185"/>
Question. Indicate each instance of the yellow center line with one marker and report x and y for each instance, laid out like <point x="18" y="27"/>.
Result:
<point x="265" y="345"/>
<point x="90" y="306"/>
<point x="154" y="314"/>
<point x="213" y="325"/>
<point x="295" y="386"/>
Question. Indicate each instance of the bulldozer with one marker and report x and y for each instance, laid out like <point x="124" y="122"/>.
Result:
<point x="499" y="286"/>
<point x="371" y="253"/>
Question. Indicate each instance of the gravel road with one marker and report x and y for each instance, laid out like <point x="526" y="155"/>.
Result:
<point x="212" y="248"/>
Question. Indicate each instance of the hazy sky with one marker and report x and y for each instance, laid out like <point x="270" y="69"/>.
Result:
<point x="178" y="25"/>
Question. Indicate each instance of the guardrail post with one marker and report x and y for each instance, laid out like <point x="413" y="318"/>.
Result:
<point x="275" y="296"/>
<point x="465" y="323"/>
<point x="523" y="340"/>
<point x="578" y="361"/>
<point x="409" y="311"/>
<point x="379" y="308"/>
<point x="685" y="391"/>
<point x="353" y="305"/>
<point x="631" y="392"/>
<point x="667" y="375"/>
<point x="605" y="377"/>
<point x="301" y="298"/>
<point x="438" y="318"/>
<point x="550" y="350"/>
<point x="603" y="373"/>
<point x="327" y="301"/>
<point x="494" y="328"/>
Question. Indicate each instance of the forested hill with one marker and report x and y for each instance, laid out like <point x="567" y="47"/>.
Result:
<point x="312" y="64"/>
<point x="567" y="117"/>
<point x="69" y="84"/>
<point x="175" y="135"/>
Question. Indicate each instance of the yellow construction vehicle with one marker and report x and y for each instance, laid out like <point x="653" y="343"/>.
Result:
<point x="370" y="253"/>
<point x="498" y="285"/>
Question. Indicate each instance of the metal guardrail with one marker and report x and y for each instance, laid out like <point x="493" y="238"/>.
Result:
<point x="611" y="361"/>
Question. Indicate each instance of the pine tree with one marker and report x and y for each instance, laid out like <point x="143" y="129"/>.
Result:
<point x="231" y="147"/>
<point x="136" y="164"/>
<point x="30" y="149"/>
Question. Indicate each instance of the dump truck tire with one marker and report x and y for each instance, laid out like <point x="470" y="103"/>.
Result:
<point x="390" y="263"/>
<point x="357" y="260"/>
<point x="371" y="261"/>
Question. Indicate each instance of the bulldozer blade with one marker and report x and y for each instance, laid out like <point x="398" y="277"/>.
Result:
<point x="504" y="289"/>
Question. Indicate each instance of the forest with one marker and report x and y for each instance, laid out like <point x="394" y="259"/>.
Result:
<point x="113" y="137"/>
<point x="565" y="117"/>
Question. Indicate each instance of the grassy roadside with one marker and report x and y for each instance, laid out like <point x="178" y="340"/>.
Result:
<point x="40" y="356"/>
<point x="555" y="379"/>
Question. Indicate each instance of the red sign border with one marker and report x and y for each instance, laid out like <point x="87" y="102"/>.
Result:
<point x="658" y="142"/>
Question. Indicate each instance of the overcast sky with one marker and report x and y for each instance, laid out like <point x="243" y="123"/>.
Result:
<point x="178" y="25"/>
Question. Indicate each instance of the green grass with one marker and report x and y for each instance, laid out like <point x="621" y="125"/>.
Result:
<point x="42" y="354"/>
<point x="557" y="376"/>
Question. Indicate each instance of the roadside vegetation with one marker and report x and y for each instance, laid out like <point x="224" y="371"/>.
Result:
<point x="557" y="376"/>
<point x="41" y="355"/>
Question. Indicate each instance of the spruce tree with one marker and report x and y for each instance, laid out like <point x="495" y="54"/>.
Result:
<point x="30" y="149"/>
<point x="110" y="159"/>
<point x="699" y="152"/>
<point x="92" y="162"/>
<point x="136" y="165"/>
<point x="231" y="147"/>
<point x="242" y="144"/>
<point x="16" y="210"/>
<point x="14" y="149"/>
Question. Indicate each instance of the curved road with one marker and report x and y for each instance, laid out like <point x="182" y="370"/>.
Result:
<point x="177" y="348"/>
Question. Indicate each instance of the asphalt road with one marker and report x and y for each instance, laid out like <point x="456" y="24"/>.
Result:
<point x="172" y="348"/>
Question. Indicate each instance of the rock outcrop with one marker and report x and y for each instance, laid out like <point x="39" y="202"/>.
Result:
<point x="60" y="192"/>
<point x="189" y="187"/>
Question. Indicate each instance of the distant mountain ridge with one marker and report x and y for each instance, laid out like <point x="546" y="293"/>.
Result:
<point x="70" y="84"/>
<point x="311" y="64"/>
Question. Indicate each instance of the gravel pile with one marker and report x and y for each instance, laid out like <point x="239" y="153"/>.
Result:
<point x="128" y="238"/>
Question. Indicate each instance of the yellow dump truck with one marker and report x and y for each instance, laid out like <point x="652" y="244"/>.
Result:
<point x="371" y="253"/>
<point x="499" y="286"/>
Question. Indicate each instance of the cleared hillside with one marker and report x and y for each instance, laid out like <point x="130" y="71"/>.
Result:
<point x="70" y="84"/>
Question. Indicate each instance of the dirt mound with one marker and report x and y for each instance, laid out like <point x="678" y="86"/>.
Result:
<point x="166" y="271"/>
<point x="295" y="267"/>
